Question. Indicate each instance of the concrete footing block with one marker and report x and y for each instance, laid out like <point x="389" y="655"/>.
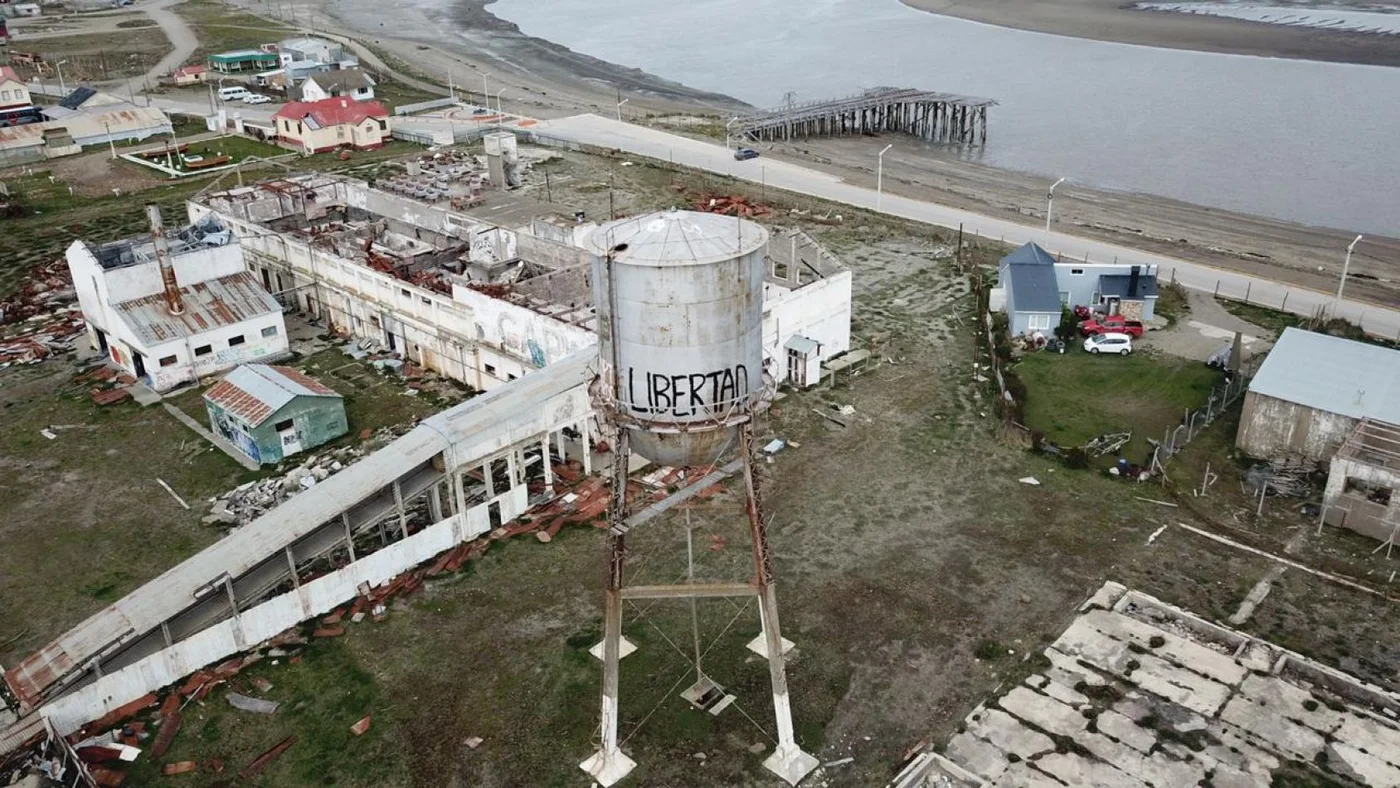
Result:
<point x="759" y="645"/>
<point x="607" y="768"/>
<point x="624" y="648"/>
<point x="791" y="763"/>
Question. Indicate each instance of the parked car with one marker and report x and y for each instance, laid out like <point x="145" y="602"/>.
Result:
<point x="256" y="98"/>
<point x="1113" y="323"/>
<point x="1121" y="344"/>
<point x="744" y="154"/>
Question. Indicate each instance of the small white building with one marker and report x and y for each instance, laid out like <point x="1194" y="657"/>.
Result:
<point x="343" y="83"/>
<point x="221" y="315"/>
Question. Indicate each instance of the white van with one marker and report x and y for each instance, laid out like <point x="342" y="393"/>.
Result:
<point x="232" y="94"/>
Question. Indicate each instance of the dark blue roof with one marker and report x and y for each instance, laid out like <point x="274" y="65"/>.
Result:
<point x="1117" y="285"/>
<point x="1033" y="287"/>
<point x="77" y="97"/>
<point x="1029" y="254"/>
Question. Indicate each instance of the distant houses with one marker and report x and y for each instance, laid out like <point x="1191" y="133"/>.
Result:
<point x="1033" y="287"/>
<point x="343" y="83"/>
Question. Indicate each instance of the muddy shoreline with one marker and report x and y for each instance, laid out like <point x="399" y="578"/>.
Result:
<point x="1116" y="21"/>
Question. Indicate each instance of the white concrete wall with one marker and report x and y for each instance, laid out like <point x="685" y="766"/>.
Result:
<point x="522" y="333"/>
<point x="189" y="366"/>
<point x="820" y="311"/>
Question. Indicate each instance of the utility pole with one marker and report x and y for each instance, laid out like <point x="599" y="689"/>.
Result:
<point x="1337" y="305"/>
<point x="880" y="176"/>
<point x="1049" y="204"/>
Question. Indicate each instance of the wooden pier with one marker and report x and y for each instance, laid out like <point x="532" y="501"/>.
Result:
<point x="937" y="117"/>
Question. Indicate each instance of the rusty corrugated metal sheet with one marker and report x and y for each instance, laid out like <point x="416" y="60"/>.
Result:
<point x="225" y="301"/>
<point x="238" y="402"/>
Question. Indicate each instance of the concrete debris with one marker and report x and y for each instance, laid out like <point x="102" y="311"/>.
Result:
<point x="262" y="684"/>
<point x="774" y="446"/>
<point x="254" y="705"/>
<point x="362" y="727"/>
<point x="473" y="742"/>
<point x="47" y="433"/>
<point x="42" y="319"/>
<point x="1031" y="480"/>
<point x="251" y="500"/>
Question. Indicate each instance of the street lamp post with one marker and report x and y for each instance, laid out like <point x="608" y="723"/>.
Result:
<point x="110" y="144"/>
<point x="500" y="112"/>
<point x="1049" y="205"/>
<point x="726" y="132"/>
<point x="485" y="95"/>
<point x="62" y="87"/>
<point x="1336" y="307"/>
<point x="880" y="176"/>
<point x="619" y="109"/>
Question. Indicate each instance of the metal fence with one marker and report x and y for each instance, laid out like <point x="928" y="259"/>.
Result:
<point x="424" y="106"/>
<point x="1221" y="398"/>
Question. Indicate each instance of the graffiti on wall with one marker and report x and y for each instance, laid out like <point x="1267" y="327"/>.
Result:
<point x="688" y="394"/>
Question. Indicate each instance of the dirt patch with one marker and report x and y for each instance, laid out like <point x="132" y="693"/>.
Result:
<point x="99" y="175"/>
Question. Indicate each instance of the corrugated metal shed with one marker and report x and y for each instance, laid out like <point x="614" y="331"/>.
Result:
<point x="672" y="238"/>
<point x="1332" y="374"/>
<point x="225" y="301"/>
<point x="253" y="392"/>
<point x="91" y="127"/>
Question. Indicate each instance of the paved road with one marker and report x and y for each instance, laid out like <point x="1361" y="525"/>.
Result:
<point x="609" y="133"/>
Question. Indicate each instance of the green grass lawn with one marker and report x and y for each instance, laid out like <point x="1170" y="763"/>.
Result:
<point x="1076" y="396"/>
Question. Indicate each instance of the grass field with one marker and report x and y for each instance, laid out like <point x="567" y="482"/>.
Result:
<point x="222" y="28"/>
<point x="1076" y="396"/>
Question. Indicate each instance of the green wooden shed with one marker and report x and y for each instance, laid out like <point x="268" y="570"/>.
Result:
<point x="271" y="412"/>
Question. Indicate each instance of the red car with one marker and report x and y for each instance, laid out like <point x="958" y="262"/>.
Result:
<point x="1116" y="324"/>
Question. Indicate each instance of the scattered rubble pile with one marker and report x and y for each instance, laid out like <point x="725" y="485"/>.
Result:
<point x="108" y="385"/>
<point x="42" y="319"/>
<point x="730" y="205"/>
<point x="251" y="500"/>
<point x="1287" y="476"/>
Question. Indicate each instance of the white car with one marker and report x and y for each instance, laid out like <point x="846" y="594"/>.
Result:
<point x="256" y="98"/>
<point x="1121" y="344"/>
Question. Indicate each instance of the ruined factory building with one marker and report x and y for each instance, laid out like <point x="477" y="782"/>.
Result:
<point x="1312" y="392"/>
<point x="1139" y="693"/>
<point x="270" y="413"/>
<point x="213" y="317"/>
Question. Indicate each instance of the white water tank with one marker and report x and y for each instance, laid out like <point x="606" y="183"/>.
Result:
<point x="680" y="310"/>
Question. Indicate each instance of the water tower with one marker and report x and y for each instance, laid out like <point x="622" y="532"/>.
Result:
<point x="679" y="296"/>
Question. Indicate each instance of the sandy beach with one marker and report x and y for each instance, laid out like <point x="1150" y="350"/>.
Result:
<point x="1116" y="20"/>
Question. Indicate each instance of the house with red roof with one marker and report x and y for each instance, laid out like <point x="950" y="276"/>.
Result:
<point x="328" y="124"/>
<point x="191" y="75"/>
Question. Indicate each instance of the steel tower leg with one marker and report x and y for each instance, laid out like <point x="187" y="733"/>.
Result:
<point x="609" y="764"/>
<point x="788" y="761"/>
